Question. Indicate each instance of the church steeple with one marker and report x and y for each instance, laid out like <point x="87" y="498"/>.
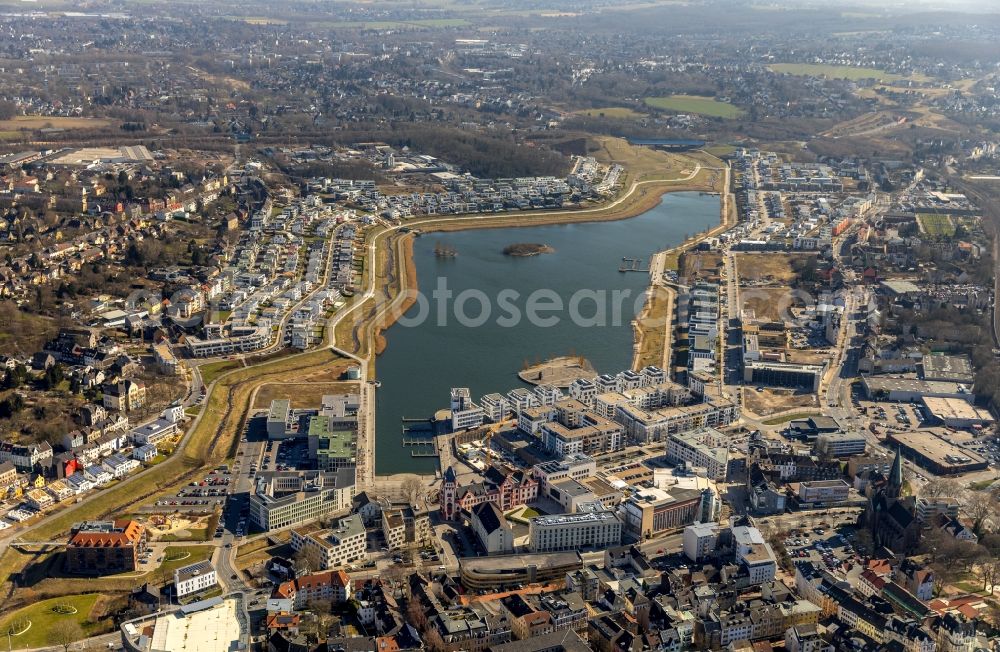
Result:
<point x="896" y="474"/>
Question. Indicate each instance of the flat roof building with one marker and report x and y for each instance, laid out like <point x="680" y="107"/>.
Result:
<point x="213" y="625"/>
<point x="586" y="530"/>
<point x="948" y="368"/>
<point x="783" y="374"/>
<point x="840" y="444"/>
<point x="507" y="571"/>
<point x="650" y="511"/>
<point x="194" y="578"/>
<point x="700" y="540"/>
<point x="705" y="448"/>
<point x="956" y="413"/>
<point x="284" y="498"/>
<point x="822" y="491"/>
<point x="334" y="547"/>
<point x="935" y="454"/>
<point x="880" y="388"/>
<point x="332" y="447"/>
<point x="278" y="418"/>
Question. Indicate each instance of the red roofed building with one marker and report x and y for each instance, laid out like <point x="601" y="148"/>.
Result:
<point x="870" y="583"/>
<point x="334" y="586"/>
<point x="282" y="621"/>
<point x="104" y="547"/>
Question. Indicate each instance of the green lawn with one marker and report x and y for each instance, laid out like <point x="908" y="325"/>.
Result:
<point x="694" y="104"/>
<point x="44" y="617"/>
<point x="213" y="370"/>
<point x="620" y="112"/>
<point x="981" y="485"/>
<point x="934" y="224"/>
<point x="853" y="73"/>
<point x="720" y="150"/>
<point x="397" y="24"/>
<point x="175" y="557"/>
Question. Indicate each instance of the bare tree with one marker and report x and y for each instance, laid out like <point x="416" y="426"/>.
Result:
<point x="307" y="560"/>
<point x="979" y="507"/>
<point x="940" y="487"/>
<point x="989" y="570"/>
<point x="412" y="489"/>
<point x="64" y="632"/>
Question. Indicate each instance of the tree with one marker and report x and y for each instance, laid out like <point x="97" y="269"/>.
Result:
<point x="307" y="560"/>
<point x="940" y="487"/>
<point x="64" y="632"/>
<point x="413" y="489"/>
<point x="979" y="507"/>
<point x="989" y="570"/>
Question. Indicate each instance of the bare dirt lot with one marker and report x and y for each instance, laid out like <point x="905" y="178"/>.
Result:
<point x="773" y="399"/>
<point x="767" y="303"/>
<point x="701" y="264"/>
<point x="302" y="395"/>
<point x="767" y="267"/>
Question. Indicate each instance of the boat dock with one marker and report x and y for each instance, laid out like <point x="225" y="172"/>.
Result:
<point x="633" y="265"/>
<point x="419" y="435"/>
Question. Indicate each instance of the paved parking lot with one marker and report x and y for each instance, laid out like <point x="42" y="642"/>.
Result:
<point x="830" y="548"/>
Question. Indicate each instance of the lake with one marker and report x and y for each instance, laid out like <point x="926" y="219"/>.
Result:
<point x="484" y="314"/>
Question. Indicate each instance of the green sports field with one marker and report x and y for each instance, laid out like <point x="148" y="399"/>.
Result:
<point x="694" y="104"/>
<point x="853" y="73"/>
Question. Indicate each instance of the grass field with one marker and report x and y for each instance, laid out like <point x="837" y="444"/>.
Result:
<point x="213" y="370"/>
<point x="694" y="104"/>
<point x="934" y="224"/>
<point x="32" y="122"/>
<point x="397" y="24"/>
<point x="44" y="617"/>
<point x="853" y="73"/>
<point x="175" y="557"/>
<point x="720" y="150"/>
<point x="620" y="112"/>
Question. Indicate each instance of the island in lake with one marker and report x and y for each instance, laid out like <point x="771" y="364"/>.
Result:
<point x="444" y="251"/>
<point x="527" y="249"/>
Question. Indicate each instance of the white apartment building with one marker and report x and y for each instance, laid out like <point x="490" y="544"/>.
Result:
<point x="700" y="540"/>
<point x="521" y="399"/>
<point x="583" y="390"/>
<point x="464" y="413"/>
<point x="594" y="530"/>
<point x="335" y="547"/>
<point x="704" y="448"/>
<point x="495" y="407"/>
<point x="646" y="426"/>
<point x="754" y="554"/>
<point x="548" y="394"/>
<point x="572" y="467"/>
<point x="193" y="578"/>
